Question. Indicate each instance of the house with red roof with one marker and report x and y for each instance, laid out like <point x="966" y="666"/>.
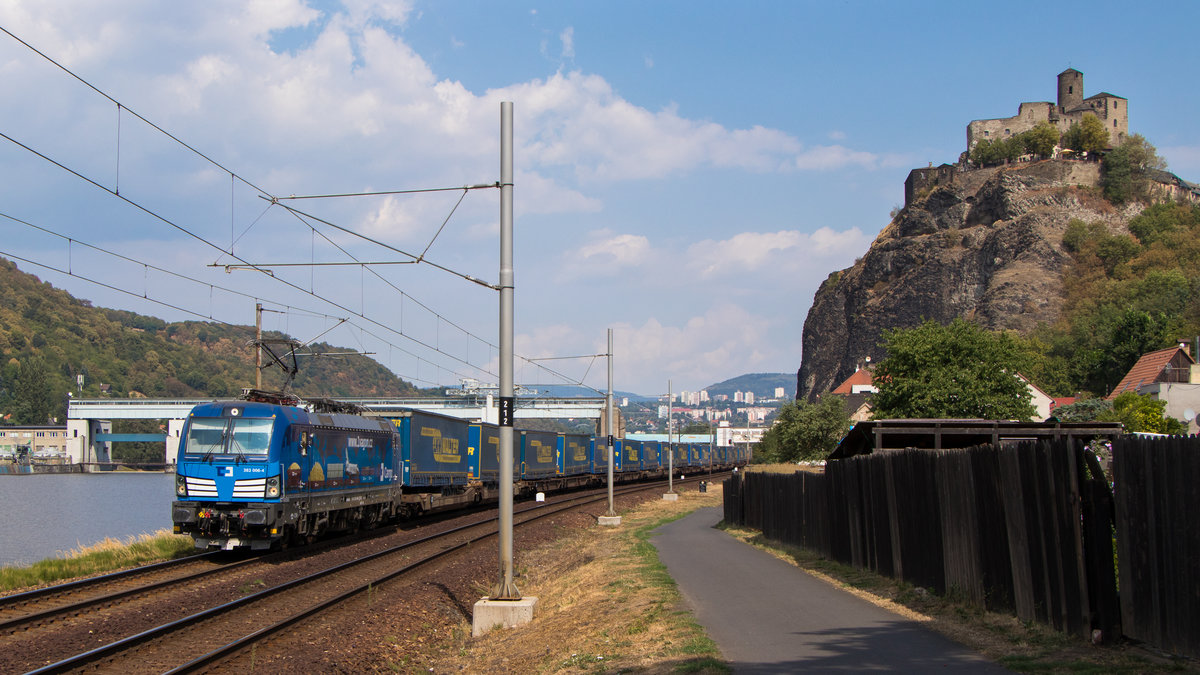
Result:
<point x="1169" y="375"/>
<point x="856" y="391"/>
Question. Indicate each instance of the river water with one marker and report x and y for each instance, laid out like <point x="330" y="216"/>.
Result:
<point x="42" y="515"/>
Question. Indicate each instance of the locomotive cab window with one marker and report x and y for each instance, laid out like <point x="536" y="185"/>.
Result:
<point x="251" y="436"/>
<point x="205" y="436"/>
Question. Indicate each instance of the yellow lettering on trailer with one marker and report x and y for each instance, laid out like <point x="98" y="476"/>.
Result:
<point x="445" y="450"/>
<point x="578" y="451"/>
<point x="545" y="453"/>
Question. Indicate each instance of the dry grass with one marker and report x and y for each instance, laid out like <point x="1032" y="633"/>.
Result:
<point x="106" y="556"/>
<point x="786" y="468"/>
<point x="606" y="604"/>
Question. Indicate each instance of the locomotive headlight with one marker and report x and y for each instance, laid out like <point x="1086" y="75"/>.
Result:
<point x="273" y="486"/>
<point x="180" y="485"/>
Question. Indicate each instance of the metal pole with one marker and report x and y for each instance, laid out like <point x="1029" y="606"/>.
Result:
<point x="506" y="590"/>
<point x="258" y="345"/>
<point x="608" y="416"/>
<point x="670" y="445"/>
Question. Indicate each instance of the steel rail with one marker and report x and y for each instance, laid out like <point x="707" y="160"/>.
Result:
<point x="74" y="586"/>
<point x="39" y="617"/>
<point x="114" y="648"/>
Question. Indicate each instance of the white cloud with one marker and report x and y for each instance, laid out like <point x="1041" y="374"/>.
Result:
<point x="568" y="43"/>
<point x="772" y="252"/>
<point x="827" y="157"/>
<point x="722" y="341"/>
<point x="612" y="251"/>
<point x="837" y="135"/>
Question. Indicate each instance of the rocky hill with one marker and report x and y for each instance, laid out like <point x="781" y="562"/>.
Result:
<point x="987" y="247"/>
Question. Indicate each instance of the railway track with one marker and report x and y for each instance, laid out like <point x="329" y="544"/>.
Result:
<point x="259" y="608"/>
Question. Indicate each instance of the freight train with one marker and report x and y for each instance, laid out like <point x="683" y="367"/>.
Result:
<point x="271" y="470"/>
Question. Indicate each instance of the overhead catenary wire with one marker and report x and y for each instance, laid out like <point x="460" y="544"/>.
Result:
<point x="170" y="222"/>
<point x="212" y="287"/>
<point x="205" y="241"/>
<point x="236" y="178"/>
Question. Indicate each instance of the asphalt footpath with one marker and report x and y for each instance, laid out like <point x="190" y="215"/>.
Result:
<point x="768" y="616"/>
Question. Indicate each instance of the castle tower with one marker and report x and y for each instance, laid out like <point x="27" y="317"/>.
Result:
<point x="1070" y="90"/>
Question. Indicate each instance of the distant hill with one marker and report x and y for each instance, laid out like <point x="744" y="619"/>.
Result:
<point x="569" y="390"/>
<point x="123" y="354"/>
<point x="762" y="384"/>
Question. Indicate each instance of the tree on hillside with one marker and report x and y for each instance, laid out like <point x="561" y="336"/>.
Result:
<point x="1087" y="135"/>
<point x="954" y="371"/>
<point x="32" y="402"/>
<point x="1041" y="139"/>
<point x="806" y="430"/>
<point x="1127" y="169"/>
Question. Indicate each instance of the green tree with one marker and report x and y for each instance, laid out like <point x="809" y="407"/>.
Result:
<point x="987" y="152"/>
<point x="1087" y="135"/>
<point x="1127" y="169"/>
<point x="954" y="371"/>
<point x="1041" y="139"/>
<point x="806" y="430"/>
<point x="32" y="402"/>
<point x="1142" y="413"/>
<point x="1084" y="410"/>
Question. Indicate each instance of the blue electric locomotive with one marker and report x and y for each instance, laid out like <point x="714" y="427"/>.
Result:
<point x="260" y="474"/>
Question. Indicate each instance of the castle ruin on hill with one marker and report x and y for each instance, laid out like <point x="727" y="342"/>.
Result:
<point x="1069" y="109"/>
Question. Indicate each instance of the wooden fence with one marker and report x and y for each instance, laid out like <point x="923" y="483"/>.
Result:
<point x="1026" y="528"/>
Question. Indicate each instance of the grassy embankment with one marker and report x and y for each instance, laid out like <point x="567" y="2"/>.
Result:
<point x="606" y="604"/>
<point x="106" y="556"/>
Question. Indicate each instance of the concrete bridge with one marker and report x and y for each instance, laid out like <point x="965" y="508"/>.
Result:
<point x="90" y="420"/>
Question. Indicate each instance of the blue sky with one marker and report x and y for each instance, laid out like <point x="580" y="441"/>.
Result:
<point x="687" y="173"/>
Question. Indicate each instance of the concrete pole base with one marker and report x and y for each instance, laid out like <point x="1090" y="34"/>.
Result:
<point x="671" y="496"/>
<point x="491" y="614"/>
<point x="610" y="521"/>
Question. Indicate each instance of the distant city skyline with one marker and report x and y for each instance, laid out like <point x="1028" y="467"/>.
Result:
<point x="686" y="174"/>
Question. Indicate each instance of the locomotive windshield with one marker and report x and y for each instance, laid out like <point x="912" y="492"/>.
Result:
<point x="251" y="436"/>
<point x="206" y="436"/>
<point x="245" y="437"/>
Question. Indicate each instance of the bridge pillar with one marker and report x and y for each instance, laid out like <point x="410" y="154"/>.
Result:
<point x="491" y="412"/>
<point x="84" y="448"/>
<point x="174" y="429"/>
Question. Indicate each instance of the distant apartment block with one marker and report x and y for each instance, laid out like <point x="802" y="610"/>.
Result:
<point x="42" y="441"/>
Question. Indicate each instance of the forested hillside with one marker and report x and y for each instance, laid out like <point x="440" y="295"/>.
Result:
<point x="1124" y="294"/>
<point x="48" y="337"/>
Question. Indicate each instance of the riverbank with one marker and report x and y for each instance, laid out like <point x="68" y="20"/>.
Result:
<point x="109" y="555"/>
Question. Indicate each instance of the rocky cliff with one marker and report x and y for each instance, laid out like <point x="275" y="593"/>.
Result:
<point x="986" y="247"/>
